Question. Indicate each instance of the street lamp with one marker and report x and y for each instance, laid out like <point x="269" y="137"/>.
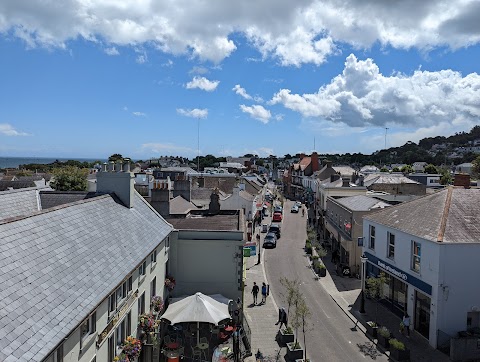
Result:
<point x="364" y="259"/>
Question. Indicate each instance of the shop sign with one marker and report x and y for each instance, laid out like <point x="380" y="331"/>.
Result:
<point x="400" y="274"/>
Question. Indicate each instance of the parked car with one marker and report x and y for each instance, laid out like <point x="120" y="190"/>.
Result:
<point x="275" y="228"/>
<point x="277" y="217"/>
<point x="270" y="241"/>
<point x="298" y="203"/>
<point x="294" y="209"/>
<point x="279" y="209"/>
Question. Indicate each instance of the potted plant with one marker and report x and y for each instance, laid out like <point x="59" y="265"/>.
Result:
<point x="122" y="357"/>
<point x="320" y="268"/>
<point x="294" y="351"/>
<point x="132" y="347"/>
<point x="285" y="335"/>
<point x="383" y="337"/>
<point x="147" y="322"/>
<point x="157" y="304"/>
<point x="372" y="328"/>
<point x="308" y="247"/>
<point x="398" y="350"/>
<point x="170" y="282"/>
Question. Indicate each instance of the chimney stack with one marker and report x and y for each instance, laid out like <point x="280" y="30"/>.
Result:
<point x="346" y="182"/>
<point x="314" y="158"/>
<point x="120" y="183"/>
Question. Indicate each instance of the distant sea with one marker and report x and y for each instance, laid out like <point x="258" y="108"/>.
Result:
<point x="14" y="162"/>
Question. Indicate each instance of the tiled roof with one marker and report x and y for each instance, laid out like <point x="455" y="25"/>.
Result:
<point x="246" y="195"/>
<point x="178" y="205"/>
<point x="386" y="178"/>
<point x="219" y="222"/>
<point x="304" y="162"/>
<point x="57" y="265"/>
<point x="18" y="202"/>
<point x="361" y="203"/>
<point x="344" y="171"/>
<point x="451" y="215"/>
<point x="5" y="185"/>
<point x="55" y="198"/>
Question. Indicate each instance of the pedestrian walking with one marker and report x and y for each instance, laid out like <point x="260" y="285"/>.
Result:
<point x="255" y="290"/>
<point x="406" y="323"/>
<point x="264" y="293"/>
<point x="282" y="317"/>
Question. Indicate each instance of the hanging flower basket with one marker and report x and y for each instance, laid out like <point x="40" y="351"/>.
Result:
<point x="157" y="304"/>
<point x="170" y="282"/>
<point x="147" y="322"/>
<point x="121" y="358"/>
<point x="132" y="347"/>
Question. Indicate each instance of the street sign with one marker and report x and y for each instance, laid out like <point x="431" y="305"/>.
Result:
<point x="252" y="249"/>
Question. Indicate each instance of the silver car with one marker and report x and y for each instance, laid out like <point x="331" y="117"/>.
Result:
<point x="270" y="241"/>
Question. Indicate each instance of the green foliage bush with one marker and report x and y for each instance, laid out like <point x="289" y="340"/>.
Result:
<point x="395" y="343"/>
<point x="384" y="332"/>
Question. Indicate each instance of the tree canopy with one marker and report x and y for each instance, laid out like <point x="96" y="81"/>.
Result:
<point x="430" y="169"/>
<point x="69" y="178"/>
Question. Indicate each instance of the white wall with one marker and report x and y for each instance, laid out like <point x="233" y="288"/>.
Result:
<point x="71" y="346"/>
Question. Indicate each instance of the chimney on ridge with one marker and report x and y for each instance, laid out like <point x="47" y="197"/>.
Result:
<point x="118" y="180"/>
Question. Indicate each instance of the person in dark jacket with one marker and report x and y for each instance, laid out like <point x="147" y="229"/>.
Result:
<point x="282" y="317"/>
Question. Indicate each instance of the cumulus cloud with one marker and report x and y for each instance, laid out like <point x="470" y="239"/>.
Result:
<point x="203" y="84"/>
<point x="198" y="70"/>
<point x="111" y="51"/>
<point x="362" y="96"/>
<point x="162" y="148"/>
<point x="257" y="112"/>
<point x="8" y="130"/>
<point x="139" y="114"/>
<point x="295" y="32"/>
<point x="194" y="113"/>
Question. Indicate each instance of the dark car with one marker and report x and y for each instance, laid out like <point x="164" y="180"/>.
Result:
<point x="279" y="209"/>
<point x="275" y="228"/>
<point x="270" y="241"/>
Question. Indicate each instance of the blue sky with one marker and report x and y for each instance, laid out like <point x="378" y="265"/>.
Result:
<point x="89" y="79"/>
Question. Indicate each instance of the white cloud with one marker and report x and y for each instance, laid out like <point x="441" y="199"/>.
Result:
<point x="111" y="51"/>
<point x="362" y="96"/>
<point x="141" y="58"/>
<point x="295" y="32"/>
<point x="8" y="130"/>
<point x="257" y="112"/>
<point x="198" y="70"/>
<point x="241" y="91"/>
<point x="203" y="84"/>
<point x="194" y="113"/>
<point x="166" y="148"/>
<point x="265" y="151"/>
<point x="139" y="114"/>
<point x="279" y="117"/>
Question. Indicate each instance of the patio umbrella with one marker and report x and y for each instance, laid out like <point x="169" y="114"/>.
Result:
<point x="197" y="308"/>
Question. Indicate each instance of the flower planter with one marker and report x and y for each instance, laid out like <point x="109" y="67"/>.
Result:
<point x="400" y="355"/>
<point x="322" y="272"/>
<point x="372" y="329"/>
<point x="294" y="354"/>
<point x="383" y="341"/>
<point x="284" y="338"/>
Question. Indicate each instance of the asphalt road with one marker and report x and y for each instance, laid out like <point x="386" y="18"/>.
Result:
<point x="330" y="334"/>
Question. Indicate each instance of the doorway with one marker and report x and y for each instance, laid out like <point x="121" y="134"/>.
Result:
<point x="422" y="314"/>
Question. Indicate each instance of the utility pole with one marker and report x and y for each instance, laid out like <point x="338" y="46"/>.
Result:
<point x="198" y="144"/>
<point x="386" y="129"/>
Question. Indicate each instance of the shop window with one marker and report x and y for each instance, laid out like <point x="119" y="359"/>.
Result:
<point x="391" y="245"/>
<point x="371" y="240"/>
<point x="416" y="256"/>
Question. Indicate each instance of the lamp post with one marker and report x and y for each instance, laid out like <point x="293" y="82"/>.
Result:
<point x="364" y="259"/>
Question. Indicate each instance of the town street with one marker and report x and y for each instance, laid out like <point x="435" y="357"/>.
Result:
<point x="331" y="335"/>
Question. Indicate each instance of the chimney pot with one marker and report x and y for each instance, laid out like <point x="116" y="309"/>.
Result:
<point x="105" y="167"/>
<point x="119" y="166"/>
<point x="126" y="165"/>
<point x="111" y="166"/>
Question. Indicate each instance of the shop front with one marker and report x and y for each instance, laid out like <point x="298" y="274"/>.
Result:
<point x="396" y="291"/>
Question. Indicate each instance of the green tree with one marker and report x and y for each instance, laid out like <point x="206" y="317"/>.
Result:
<point x="374" y="289"/>
<point x="407" y="169"/>
<point x="384" y="169"/>
<point x="476" y="167"/>
<point x="396" y="169"/>
<point x="304" y="315"/>
<point x="69" y="178"/>
<point x="115" y="157"/>
<point x="290" y="292"/>
<point x="430" y="169"/>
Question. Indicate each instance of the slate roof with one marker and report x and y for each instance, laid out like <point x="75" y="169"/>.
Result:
<point x="18" y="202"/>
<point x="220" y="222"/>
<point x="5" y="185"/>
<point x="387" y="178"/>
<point x="361" y="203"/>
<point x="344" y="171"/>
<point x="451" y="215"/>
<point x="50" y="199"/>
<point x="178" y="205"/>
<point x="57" y="265"/>
<point x="246" y="195"/>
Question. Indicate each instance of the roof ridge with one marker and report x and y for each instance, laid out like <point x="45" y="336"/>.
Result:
<point x="51" y="209"/>
<point x="446" y="209"/>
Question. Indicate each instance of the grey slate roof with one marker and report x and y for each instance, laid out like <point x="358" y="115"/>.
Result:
<point x="423" y="217"/>
<point x="178" y="205"/>
<point x="5" y="185"/>
<point x="386" y="178"/>
<point x="55" y="198"/>
<point x="18" y="202"/>
<point x="361" y="203"/>
<point x="57" y="265"/>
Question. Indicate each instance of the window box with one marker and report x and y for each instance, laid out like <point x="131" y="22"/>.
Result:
<point x="285" y="336"/>
<point x="294" y="351"/>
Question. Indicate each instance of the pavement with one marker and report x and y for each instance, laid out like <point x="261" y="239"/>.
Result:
<point x="345" y="292"/>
